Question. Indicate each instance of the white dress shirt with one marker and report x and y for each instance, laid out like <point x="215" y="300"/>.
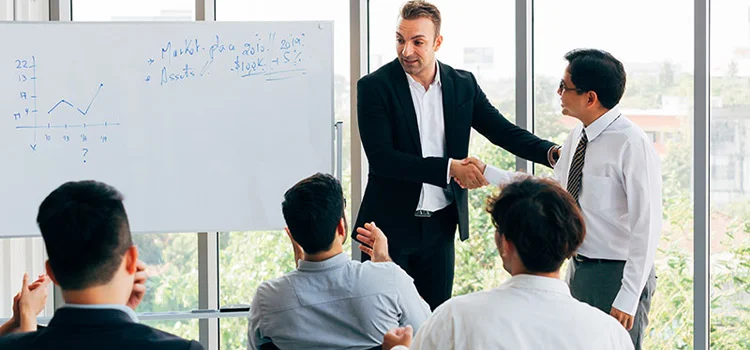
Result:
<point x="428" y="105"/>
<point x="526" y="312"/>
<point x="620" y="198"/>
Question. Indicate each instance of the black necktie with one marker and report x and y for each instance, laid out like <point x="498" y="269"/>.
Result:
<point x="576" y="168"/>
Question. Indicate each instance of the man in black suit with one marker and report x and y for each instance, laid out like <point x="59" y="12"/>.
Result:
<point x="415" y="115"/>
<point x="93" y="260"/>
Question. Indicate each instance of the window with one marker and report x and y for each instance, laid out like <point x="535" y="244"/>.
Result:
<point x="658" y="97"/>
<point x="19" y="256"/>
<point x="133" y="10"/>
<point x="730" y="174"/>
<point x="481" y="42"/>
<point x="187" y="329"/>
<point x="6" y="10"/>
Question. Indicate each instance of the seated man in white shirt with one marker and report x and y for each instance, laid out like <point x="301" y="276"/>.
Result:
<point x="331" y="301"/>
<point x="538" y="226"/>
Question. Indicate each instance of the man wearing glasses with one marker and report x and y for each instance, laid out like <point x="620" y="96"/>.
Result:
<point x="610" y="167"/>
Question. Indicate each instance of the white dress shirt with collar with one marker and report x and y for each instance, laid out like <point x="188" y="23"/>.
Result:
<point x="428" y="105"/>
<point x="526" y="312"/>
<point x="620" y="198"/>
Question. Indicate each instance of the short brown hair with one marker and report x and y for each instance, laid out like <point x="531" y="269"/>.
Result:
<point x="419" y="8"/>
<point x="542" y="221"/>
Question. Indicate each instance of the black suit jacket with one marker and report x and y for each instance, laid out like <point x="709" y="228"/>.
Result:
<point x="390" y="136"/>
<point x="95" y="329"/>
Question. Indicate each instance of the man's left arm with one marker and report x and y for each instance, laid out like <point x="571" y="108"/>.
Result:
<point x="642" y="182"/>
<point x="488" y="121"/>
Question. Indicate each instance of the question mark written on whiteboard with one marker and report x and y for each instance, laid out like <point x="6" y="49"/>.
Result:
<point x="85" y="151"/>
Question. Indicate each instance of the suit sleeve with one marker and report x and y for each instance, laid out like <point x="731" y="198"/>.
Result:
<point x="488" y="121"/>
<point x="376" y="133"/>
<point x="194" y="345"/>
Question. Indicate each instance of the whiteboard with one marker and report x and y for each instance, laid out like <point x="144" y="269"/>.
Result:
<point x="201" y="126"/>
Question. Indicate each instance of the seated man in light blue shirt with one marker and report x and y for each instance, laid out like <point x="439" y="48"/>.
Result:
<point x="331" y="301"/>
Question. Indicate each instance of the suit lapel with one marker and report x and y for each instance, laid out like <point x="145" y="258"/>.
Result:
<point x="449" y="107"/>
<point x="407" y="104"/>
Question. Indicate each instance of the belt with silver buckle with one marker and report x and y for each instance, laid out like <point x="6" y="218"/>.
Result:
<point x="423" y="213"/>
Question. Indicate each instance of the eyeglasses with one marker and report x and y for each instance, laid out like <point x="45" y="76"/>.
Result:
<point x="562" y="88"/>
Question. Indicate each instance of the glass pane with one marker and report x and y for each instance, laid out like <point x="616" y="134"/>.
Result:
<point x="187" y="329"/>
<point x="6" y="10"/>
<point x="730" y="175"/>
<point x="483" y="43"/>
<point x="133" y="10"/>
<point x="19" y="256"/>
<point x="269" y="254"/>
<point x="229" y="339"/>
<point x="172" y="266"/>
<point x="658" y="98"/>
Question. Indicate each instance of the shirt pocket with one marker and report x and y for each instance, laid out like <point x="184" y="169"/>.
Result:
<point x="602" y="193"/>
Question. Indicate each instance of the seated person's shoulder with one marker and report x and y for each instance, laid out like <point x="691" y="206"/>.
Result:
<point x="16" y="340"/>
<point x="381" y="268"/>
<point x="152" y="338"/>
<point x="384" y="276"/>
<point x="610" y="331"/>
<point x="133" y="336"/>
<point x="277" y="294"/>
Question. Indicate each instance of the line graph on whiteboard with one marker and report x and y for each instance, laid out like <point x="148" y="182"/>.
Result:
<point x="72" y="122"/>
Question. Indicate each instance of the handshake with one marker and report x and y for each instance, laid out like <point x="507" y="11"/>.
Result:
<point x="468" y="173"/>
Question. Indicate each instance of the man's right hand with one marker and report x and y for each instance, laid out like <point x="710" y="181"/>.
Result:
<point x="374" y="242"/>
<point x="139" y="286"/>
<point x="467" y="175"/>
<point x="30" y="302"/>
<point x="398" y="336"/>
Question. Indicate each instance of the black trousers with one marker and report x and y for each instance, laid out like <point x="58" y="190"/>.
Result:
<point x="432" y="263"/>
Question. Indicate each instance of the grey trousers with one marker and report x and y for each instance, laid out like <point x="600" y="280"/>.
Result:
<point x="597" y="283"/>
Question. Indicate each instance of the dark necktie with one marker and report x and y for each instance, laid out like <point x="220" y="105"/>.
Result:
<point x="576" y="168"/>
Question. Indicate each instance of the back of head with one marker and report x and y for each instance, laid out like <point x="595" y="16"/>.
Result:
<point x="598" y="71"/>
<point x="419" y="8"/>
<point x="312" y="210"/>
<point x="542" y="221"/>
<point x="86" y="233"/>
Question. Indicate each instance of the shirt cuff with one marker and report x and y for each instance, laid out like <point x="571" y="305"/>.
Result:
<point x="626" y="302"/>
<point x="399" y="347"/>
<point x="495" y="176"/>
<point x="448" y="172"/>
<point x="550" y="158"/>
